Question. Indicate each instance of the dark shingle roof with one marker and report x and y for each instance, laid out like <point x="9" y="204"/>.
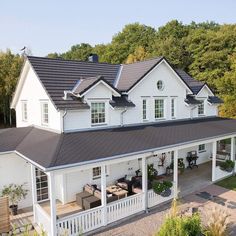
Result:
<point x="132" y="73"/>
<point x="58" y="75"/>
<point x="121" y="102"/>
<point x="191" y="100"/>
<point x="214" y="100"/>
<point x="54" y="150"/>
<point x="194" y="85"/>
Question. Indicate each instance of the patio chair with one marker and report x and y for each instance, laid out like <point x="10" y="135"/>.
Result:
<point x="88" y="192"/>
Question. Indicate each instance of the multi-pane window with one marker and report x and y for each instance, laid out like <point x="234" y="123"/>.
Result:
<point x="41" y="185"/>
<point x="172" y="108"/>
<point x="144" y="109"/>
<point x="201" y="108"/>
<point x="97" y="172"/>
<point x="201" y="148"/>
<point x="98" y="115"/>
<point x="24" y="111"/>
<point x="159" y="108"/>
<point x="44" y="113"/>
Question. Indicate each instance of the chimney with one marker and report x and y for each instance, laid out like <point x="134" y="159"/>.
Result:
<point x="93" y="58"/>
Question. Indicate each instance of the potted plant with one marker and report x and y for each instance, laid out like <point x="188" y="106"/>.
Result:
<point x="181" y="166"/>
<point x="227" y="165"/>
<point x="162" y="188"/>
<point x="151" y="171"/>
<point x="15" y="193"/>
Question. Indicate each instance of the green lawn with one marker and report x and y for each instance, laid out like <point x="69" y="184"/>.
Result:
<point x="229" y="183"/>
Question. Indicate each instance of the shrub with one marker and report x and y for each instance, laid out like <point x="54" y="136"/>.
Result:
<point x="227" y="165"/>
<point x="159" y="187"/>
<point x="217" y="222"/>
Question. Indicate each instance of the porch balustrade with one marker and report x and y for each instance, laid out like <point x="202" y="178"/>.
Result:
<point x="42" y="219"/>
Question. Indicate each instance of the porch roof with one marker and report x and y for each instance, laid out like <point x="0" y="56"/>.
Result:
<point x="49" y="149"/>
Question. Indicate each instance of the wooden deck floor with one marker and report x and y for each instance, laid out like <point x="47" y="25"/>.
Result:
<point x="62" y="210"/>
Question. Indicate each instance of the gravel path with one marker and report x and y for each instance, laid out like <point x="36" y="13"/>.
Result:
<point x="149" y="223"/>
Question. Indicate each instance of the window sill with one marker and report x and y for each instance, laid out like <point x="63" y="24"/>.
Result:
<point x="97" y="125"/>
<point x="201" y="151"/>
<point x="45" y="124"/>
<point x="98" y="177"/>
<point x="201" y="115"/>
<point x="160" y="119"/>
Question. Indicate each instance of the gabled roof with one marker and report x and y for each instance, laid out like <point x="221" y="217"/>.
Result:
<point x="58" y="75"/>
<point x="131" y="74"/>
<point x="194" y="85"/>
<point x="52" y="150"/>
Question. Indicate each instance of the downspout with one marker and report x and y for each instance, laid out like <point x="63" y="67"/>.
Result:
<point x="63" y="121"/>
<point x="122" y="116"/>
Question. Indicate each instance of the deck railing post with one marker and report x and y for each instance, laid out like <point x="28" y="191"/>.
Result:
<point x="175" y="174"/>
<point x="104" y="194"/>
<point x="144" y="183"/>
<point x="232" y="152"/>
<point x="53" y="214"/>
<point x="214" y="149"/>
<point x="33" y="187"/>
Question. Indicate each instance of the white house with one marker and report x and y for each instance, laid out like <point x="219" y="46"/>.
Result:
<point x="87" y="133"/>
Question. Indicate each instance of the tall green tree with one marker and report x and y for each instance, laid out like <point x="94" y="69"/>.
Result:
<point x="10" y="67"/>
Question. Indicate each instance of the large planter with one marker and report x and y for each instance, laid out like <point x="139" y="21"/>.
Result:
<point x="13" y="209"/>
<point x="166" y="193"/>
<point x="229" y="169"/>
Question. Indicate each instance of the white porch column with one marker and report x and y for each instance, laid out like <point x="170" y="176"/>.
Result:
<point x="144" y="183"/>
<point x="104" y="193"/>
<point x="33" y="187"/>
<point x="214" y="149"/>
<point x="53" y="211"/>
<point x="232" y="153"/>
<point x="175" y="174"/>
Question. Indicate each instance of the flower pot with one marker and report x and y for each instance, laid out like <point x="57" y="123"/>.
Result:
<point x="166" y="193"/>
<point x="14" y="209"/>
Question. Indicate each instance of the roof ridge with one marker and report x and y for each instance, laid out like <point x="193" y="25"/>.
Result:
<point x="72" y="60"/>
<point x="150" y="59"/>
<point x="30" y="130"/>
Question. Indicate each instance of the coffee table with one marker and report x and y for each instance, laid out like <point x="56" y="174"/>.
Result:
<point x="113" y="188"/>
<point x="120" y="193"/>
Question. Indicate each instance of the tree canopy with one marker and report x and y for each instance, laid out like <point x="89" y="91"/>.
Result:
<point x="206" y="50"/>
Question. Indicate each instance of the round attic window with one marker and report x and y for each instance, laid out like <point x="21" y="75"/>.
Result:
<point x="160" y="85"/>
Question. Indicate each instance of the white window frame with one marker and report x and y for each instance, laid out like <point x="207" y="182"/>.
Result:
<point x="145" y="109"/>
<point x="105" y="113"/>
<point x="42" y="192"/>
<point x="98" y="168"/>
<point x="173" y="108"/>
<point x="24" y="107"/>
<point x="201" y="108"/>
<point x="43" y="118"/>
<point x="201" y="148"/>
<point x="163" y="109"/>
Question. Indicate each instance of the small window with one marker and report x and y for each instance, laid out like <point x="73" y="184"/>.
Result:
<point x="172" y="108"/>
<point x="145" y="109"/>
<point x="97" y="172"/>
<point x="98" y="113"/>
<point x="201" y="109"/>
<point x="202" y="148"/>
<point x="44" y="113"/>
<point x="159" y="108"/>
<point x="24" y="111"/>
<point x="160" y="85"/>
<point x="41" y="185"/>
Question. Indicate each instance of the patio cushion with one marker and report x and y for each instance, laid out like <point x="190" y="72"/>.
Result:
<point x="89" y="188"/>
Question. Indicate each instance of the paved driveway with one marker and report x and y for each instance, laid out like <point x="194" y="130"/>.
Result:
<point x="148" y="224"/>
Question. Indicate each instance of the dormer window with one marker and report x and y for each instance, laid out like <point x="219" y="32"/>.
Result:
<point x="201" y="110"/>
<point x="98" y="113"/>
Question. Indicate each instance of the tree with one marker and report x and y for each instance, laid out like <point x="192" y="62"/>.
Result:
<point x="10" y="67"/>
<point x="139" y="55"/>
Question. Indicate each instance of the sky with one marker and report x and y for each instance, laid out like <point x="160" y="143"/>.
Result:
<point x="47" y="26"/>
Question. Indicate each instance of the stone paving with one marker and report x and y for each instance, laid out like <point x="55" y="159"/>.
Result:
<point x="204" y="199"/>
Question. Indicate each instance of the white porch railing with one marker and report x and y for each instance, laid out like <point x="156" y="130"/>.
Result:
<point x="155" y="199"/>
<point x="80" y="223"/>
<point x="42" y="219"/>
<point x="220" y="174"/>
<point x="124" y="207"/>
